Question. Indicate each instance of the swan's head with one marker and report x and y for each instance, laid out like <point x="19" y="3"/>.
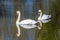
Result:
<point x="39" y="11"/>
<point x="18" y="12"/>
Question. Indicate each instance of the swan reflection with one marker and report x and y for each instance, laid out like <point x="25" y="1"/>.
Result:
<point x="28" y="26"/>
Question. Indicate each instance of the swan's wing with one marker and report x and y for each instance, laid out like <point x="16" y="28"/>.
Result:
<point x="28" y="21"/>
<point x="28" y="26"/>
<point x="46" y="16"/>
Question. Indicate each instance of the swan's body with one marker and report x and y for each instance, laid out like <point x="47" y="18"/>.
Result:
<point x="28" y="21"/>
<point x="44" y="17"/>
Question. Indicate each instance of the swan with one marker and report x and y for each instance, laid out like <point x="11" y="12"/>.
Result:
<point x="44" y="18"/>
<point x="25" y="22"/>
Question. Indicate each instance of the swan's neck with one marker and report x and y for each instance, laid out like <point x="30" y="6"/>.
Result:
<point x="18" y="19"/>
<point x="40" y="14"/>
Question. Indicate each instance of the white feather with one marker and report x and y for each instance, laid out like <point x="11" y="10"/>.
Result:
<point x="28" y="21"/>
<point x="45" y="16"/>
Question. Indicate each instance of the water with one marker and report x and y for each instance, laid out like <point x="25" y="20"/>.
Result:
<point x="29" y="9"/>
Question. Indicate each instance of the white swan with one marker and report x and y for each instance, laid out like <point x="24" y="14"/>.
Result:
<point x="24" y="22"/>
<point x="44" y="18"/>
